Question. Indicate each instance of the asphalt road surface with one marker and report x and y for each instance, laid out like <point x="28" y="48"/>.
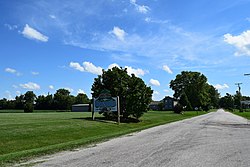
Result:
<point x="215" y="139"/>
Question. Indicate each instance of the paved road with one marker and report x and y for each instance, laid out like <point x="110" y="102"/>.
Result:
<point x="215" y="139"/>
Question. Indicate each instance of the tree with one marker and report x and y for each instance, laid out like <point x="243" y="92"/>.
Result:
<point x="19" y="101"/>
<point x="227" y="102"/>
<point x="44" y="102"/>
<point x="185" y="102"/>
<point x="134" y="95"/>
<point x="81" y="98"/>
<point x="62" y="99"/>
<point x="29" y="98"/>
<point x="194" y="86"/>
<point x="237" y="100"/>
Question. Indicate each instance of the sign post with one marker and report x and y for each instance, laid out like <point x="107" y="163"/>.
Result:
<point x="118" y="110"/>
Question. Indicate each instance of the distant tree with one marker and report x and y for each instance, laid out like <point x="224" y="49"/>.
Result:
<point x="62" y="99"/>
<point x="134" y="95"/>
<point x="192" y="88"/>
<point x="214" y="96"/>
<point x="227" y="102"/>
<point x="44" y="102"/>
<point x="81" y="98"/>
<point x="29" y="98"/>
<point x="19" y="102"/>
<point x="194" y="85"/>
<point x="237" y="100"/>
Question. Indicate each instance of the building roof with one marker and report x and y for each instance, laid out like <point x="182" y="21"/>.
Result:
<point x="80" y="105"/>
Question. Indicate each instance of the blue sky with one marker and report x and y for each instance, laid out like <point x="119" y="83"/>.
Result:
<point x="52" y="44"/>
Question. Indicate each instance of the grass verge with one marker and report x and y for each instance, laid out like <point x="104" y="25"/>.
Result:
<point x="243" y="114"/>
<point x="28" y="135"/>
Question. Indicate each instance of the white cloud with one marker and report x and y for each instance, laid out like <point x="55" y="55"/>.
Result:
<point x="167" y="69"/>
<point x="34" y="73"/>
<point x="140" y="8"/>
<point x="154" y="82"/>
<point x="76" y="66"/>
<point x="30" y="85"/>
<point x="224" y="86"/>
<point x="119" y="33"/>
<point x="138" y="72"/>
<point x="11" y="27"/>
<point x="15" y="86"/>
<point x="12" y="71"/>
<point x="241" y="42"/>
<point x="80" y="91"/>
<point x="51" y="87"/>
<point x="31" y="33"/>
<point x="52" y="16"/>
<point x="89" y="67"/>
<point x="113" y="65"/>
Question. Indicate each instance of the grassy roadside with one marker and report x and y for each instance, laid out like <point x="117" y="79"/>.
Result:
<point x="243" y="114"/>
<point x="27" y="135"/>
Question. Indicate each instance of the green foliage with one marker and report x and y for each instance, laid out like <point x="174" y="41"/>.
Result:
<point x="193" y="90"/>
<point x="63" y="100"/>
<point x="28" y="107"/>
<point x="178" y="108"/>
<point x="227" y="102"/>
<point x="134" y="95"/>
<point x="81" y="99"/>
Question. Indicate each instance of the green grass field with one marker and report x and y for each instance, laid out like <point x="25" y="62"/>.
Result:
<point x="243" y="114"/>
<point x="27" y="135"/>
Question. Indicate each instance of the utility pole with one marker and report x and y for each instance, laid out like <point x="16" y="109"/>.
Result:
<point x="238" y="84"/>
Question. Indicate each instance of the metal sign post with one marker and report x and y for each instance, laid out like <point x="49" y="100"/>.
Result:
<point x="118" y="110"/>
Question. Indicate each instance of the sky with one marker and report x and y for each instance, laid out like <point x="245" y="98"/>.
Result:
<point x="51" y="44"/>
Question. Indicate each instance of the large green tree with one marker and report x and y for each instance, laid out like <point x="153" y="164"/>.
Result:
<point x="63" y="100"/>
<point x="29" y="99"/>
<point x="81" y="98"/>
<point x="134" y="95"/>
<point x="191" y="88"/>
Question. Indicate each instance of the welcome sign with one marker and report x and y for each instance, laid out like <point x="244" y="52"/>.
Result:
<point x="105" y="102"/>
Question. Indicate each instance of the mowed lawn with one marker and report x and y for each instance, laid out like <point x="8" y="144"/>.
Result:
<point x="243" y="114"/>
<point x="26" y="135"/>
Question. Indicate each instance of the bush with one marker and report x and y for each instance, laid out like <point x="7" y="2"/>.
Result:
<point x="28" y="107"/>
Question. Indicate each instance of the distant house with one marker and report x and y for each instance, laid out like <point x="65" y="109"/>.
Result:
<point x="80" y="108"/>
<point x="245" y="103"/>
<point x="169" y="103"/>
<point x="154" y="105"/>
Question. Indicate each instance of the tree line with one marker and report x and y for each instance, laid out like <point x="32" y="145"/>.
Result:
<point x="191" y="90"/>
<point x="61" y="100"/>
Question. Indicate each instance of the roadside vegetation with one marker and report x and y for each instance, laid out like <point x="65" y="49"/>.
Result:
<point x="245" y="113"/>
<point x="28" y="135"/>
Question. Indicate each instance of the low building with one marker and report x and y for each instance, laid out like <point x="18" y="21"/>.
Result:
<point x="81" y="108"/>
<point x="155" y="105"/>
